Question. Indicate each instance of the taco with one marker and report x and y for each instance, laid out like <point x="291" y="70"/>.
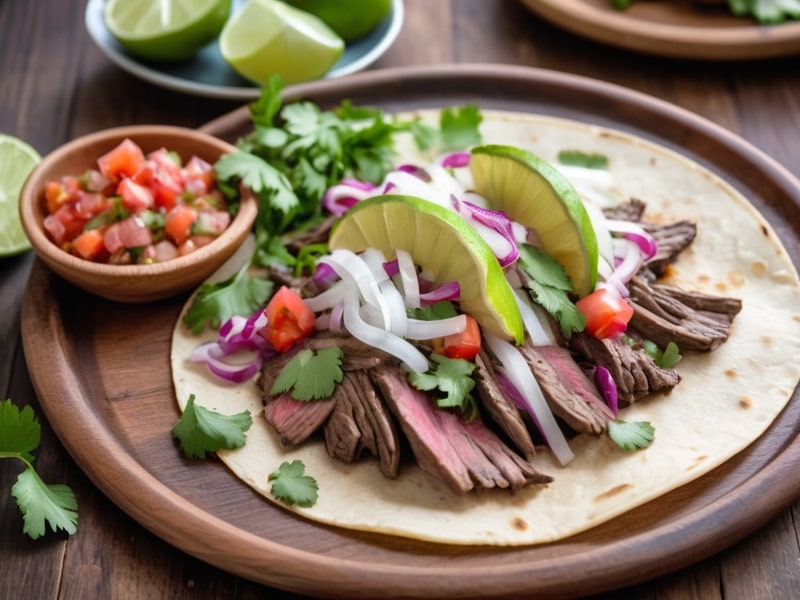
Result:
<point x="732" y="382"/>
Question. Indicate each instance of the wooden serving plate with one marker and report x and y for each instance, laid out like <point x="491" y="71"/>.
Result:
<point x="672" y="28"/>
<point x="101" y="371"/>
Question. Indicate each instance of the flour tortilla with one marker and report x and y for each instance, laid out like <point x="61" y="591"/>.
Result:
<point x="726" y="400"/>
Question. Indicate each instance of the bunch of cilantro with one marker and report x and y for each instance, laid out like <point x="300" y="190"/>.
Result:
<point x="295" y="152"/>
<point x="39" y="502"/>
<point x="766" y="12"/>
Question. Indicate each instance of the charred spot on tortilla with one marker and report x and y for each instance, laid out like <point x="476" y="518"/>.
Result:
<point x="519" y="524"/>
<point x="613" y="492"/>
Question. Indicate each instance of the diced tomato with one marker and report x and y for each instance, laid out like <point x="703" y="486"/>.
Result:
<point x="195" y="242"/>
<point x="289" y="320"/>
<point x="607" y="313"/>
<point x="70" y="221"/>
<point x="178" y="223"/>
<point x="94" y="181"/>
<point x="164" y="160"/>
<point x="167" y="189"/>
<point x="90" y="204"/>
<point x="464" y="345"/>
<point x="135" y="197"/>
<point x="212" y="222"/>
<point x="55" y="229"/>
<point x="123" y="161"/>
<point x="55" y="195"/>
<point x="199" y="176"/>
<point x="160" y="252"/>
<point x="129" y="233"/>
<point x="89" y="244"/>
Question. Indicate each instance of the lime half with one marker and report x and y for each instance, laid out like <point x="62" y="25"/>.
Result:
<point x="267" y="37"/>
<point x="17" y="160"/>
<point x="442" y="244"/>
<point x="534" y="193"/>
<point x="351" y="19"/>
<point x="165" y="30"/>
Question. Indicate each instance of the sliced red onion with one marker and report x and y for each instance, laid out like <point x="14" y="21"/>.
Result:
<point x="340" y="197"/>
<point x="450" y="290"/>
<point x="219" y="362"/>
<point x="323" y="276"/>
<point x="635" y="233"/>
<point x="455" y="160"/>
<point x="519" y="374"/>
<point x="608" y="387"/>
<point x="493" y="226"/>
<point x="415" y="171"/>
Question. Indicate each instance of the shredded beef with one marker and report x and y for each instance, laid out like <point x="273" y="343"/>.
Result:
<point x="568" y="391"/>
<point x="359" y="422"/>
<point x="500" y="407"/>
<point x="463" y="455"/>
<point x="694" y="321"/>
<point x="634" y="371"/>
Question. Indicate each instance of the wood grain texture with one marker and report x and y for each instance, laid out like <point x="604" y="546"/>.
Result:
<point x="57" y="85"/>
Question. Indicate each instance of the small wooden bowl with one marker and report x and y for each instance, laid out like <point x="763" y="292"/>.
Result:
<point x="130" y="283"/>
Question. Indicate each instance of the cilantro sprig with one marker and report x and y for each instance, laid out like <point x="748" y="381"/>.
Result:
<point x="201" y="431"/>
<point x="450" y="381"/>
<point x="295" y="152"/>
<point x="310" y="375"/>
<point x="40" y="503"/>
<point x="291" y="485"/>
<point x="550" y="287"/>
<point x="631" y="435"/>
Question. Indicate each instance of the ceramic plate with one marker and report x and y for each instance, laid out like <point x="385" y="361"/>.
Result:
<point x="207" y="74"/>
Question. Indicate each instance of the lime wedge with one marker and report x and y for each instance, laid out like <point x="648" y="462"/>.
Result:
<point x="443" y="245"/>
<point x="267" y="37"/>
<point x="17" y="160"/>
<point x="351" y="19"/>
<point x="165" y="30"/>
<point x="534" y="193"/>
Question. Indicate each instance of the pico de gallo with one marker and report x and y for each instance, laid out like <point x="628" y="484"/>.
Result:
<point x="136" y="208"/>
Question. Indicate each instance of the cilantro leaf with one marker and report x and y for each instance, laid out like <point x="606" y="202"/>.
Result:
<point x="217" y="302"/>
<point x="201" y="430"/>
<point x="310" y="375"/>
<point x="39" y="503"/>
<point x="20" y="431"/>
<point x="443" y="309"/>
<point x="667" y="358"/>
<point x="549" y="287"/>
<point x="578" y="158"/>
<point x="631" y="435"/>
<point x="451" y="381"/>
<point x="291" y="485"/>
<point x="459" y="127"/>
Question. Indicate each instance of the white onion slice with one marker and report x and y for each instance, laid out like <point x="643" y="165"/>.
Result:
<point x="539" y="332"/>
<point x="428" y="330"/>
<point x="408" y="279"/>
<point x="519" y="374"/>
<point x="380" y="338"/>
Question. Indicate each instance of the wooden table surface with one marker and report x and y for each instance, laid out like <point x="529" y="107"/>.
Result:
<point x="57" y="85"/>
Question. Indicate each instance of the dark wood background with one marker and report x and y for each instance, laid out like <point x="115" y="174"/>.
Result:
<point x="57" y="85"/>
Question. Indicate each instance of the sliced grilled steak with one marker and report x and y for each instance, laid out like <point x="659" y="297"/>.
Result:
<point x="356" y="354"/>
<point x="569" y="392"/>
<point x="295" y="420"/>
<point x="633" y="370"/>
<point x="446" y="447"/>
<point x="359" y="422"/>
<point x="500" y="407"/>
<point x="694" y="321"/>
<point x="671" y="241"/>
<point x="632" y="210"/>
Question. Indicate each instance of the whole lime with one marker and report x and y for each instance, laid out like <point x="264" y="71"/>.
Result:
<point x="351" y="19"/>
